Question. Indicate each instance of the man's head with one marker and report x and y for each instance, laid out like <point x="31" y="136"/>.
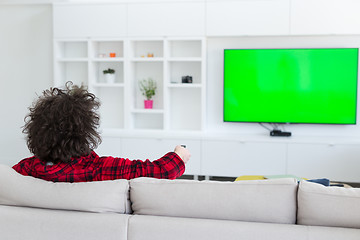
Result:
<point x="63" y="124"/>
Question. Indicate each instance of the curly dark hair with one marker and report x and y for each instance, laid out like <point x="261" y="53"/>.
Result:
<point x="63" y="124"/>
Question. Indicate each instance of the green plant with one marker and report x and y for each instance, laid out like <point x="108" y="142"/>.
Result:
<point x="148" y="87"/>
<point x="109" y="70"/>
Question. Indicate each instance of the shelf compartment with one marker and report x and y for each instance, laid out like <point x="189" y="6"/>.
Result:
<point x="189" y="106"/>
<point x="99" y="67"/>
<point x="179" y="69"/>
<point x="147" y="121"/>
<point x="141" y="48"/>
<point x="145" y="70"/>
<point x="102" y="49"/>
<point x="71" y="49"/>
<point x="76" y="72"/>
<point x="185" y="48"/>
<point x="112" y="107"/>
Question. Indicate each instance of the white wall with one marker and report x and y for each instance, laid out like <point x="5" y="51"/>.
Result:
<point x="25" y="69"/>
<point x="215" y="83"/>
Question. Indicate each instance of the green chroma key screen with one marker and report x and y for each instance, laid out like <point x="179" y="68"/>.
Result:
<point x="291" y="85"/>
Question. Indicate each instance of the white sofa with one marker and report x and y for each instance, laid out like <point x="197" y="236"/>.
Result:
<point x="146" y="208"/>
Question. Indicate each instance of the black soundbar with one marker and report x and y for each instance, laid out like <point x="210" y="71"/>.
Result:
<point x="279" y="133"/>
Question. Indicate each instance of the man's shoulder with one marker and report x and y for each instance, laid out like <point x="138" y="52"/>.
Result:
<point x="24" y="165"/>
<point x="27" y="160"/>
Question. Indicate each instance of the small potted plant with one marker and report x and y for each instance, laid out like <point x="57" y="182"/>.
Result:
<point x="148" y="89"/>
<point x="109" y="75"/>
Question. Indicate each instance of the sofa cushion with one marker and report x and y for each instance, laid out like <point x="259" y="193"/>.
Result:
<point x="328" y="206"/>
<point x="48" y="224"/>
<point x="163" y="228"/>
<point x="143" y="227"/>
<point x="258" y="200"/>
<point x="103" y="196"/>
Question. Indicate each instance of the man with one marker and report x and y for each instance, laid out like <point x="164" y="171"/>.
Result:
<point x="62" y="132"/>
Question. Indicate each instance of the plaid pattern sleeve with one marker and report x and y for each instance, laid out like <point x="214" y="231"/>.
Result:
<point x="23" y="167"/>
<point x="170" y="166"/>
<point x="95" y="168"/>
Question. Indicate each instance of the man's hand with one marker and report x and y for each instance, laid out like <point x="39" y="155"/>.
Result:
<point x="183" y="153"/>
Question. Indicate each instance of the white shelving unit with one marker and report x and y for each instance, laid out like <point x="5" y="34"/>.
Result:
<point x="166" y="60"/>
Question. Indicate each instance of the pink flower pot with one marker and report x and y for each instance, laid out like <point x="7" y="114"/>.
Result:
<point x="148" y="104"/>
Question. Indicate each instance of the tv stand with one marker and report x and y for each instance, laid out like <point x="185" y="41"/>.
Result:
<point x="279" y="133"/>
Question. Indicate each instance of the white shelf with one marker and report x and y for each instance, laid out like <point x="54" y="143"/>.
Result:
<point x="147" y="59"/>
<point x="185" y="59"/>
<point x="109" y="85"/>
<point x="108" y="59"/>
<point x="84" y="60"/>
<point x="185" y="85"/>
<point x="148" y="111"/>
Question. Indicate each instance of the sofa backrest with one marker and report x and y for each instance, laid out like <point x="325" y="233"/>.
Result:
<point x="257" y="201"/>
<point x="104" y="196"/>
<point x="328" y="206"/>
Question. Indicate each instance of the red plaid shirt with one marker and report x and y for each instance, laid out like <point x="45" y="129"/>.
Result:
<point x="95" y="168"/>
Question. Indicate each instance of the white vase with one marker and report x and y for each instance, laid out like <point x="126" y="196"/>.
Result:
<point x="110" y="77"/>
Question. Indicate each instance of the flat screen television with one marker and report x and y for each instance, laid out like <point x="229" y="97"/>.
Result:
<point x="291" y="85"/>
